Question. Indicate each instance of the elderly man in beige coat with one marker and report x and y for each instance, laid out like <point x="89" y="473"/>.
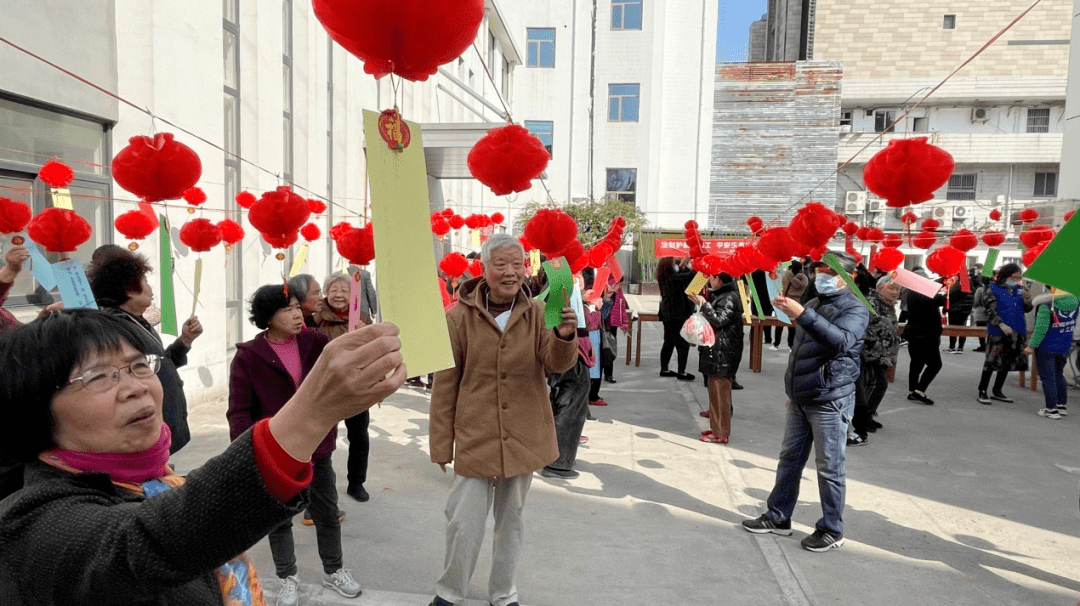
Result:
<point x="491" y="417"/>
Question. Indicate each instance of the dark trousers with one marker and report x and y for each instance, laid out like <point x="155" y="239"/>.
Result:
<point x="925" y="362"/>
<point x="870" y="389"/>
<point x="999" y="382"/>
<point x="1051" y="366"/>
<point x="322" y="503"/>
<point x="359" y="447"/>
<point x="982" y="340"/>
<point x="569" y="404"/>
<point x="958" y="319"/>
<point x="673" y="341"/>
<point x="778" y="335"/>
<point x="608" y="367"/>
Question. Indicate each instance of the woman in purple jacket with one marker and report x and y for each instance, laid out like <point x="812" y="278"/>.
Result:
<point x="266" y="372"/>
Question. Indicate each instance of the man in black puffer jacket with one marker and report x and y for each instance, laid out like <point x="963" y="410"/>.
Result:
<point x="820" y="384"/>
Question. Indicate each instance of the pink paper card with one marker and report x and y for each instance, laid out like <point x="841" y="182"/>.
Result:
<point x="913" y="281"/>
<point x="354" y="300"/>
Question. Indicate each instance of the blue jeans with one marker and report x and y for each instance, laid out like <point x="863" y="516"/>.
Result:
<point x="1051" y="366"/>
<point x="805" y="422"/>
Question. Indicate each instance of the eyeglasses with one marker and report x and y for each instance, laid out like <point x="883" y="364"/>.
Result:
<point x="102" y="378"/>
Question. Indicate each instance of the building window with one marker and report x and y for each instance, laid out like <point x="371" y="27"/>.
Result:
<point x="920" y="125"/>
<point x="1046" y="184"/>
<point x="622" y="184"/>
<point x="623" y="101"/>
<point x="883" y="121"/>
<point x="506" y="69"/>
<point x="625" y="14"/>
<point x="1038" y="120"/>
<point x="491" y="50"/>
<point x="30" y="136"/>
<point x="544" y="130"/>
<point x="845" y="118"/>
<point x="541" y="41"/>
<point x="949" y="22"/>
<point x="962" y="187"/>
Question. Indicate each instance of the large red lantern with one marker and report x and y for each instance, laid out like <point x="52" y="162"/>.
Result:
<point x="59" y="230"/>
<point x="157" y="168"/>
<point x="946" y="261"/>
<point x="908" y="171"/>
<point x="888" y="259"/>
<point x="56" y="174"/>
<point x="893" y="241"/>
<point x="994" y="238"/>
<point x="454" y="265"/>
<point x="552" y="231"/>
<point x="135" y="225"/>
<point x="814" y="225"/>
<point x="1036" y="235"/>
<point x="357" y="244"/>
<point x="964" y="240"/>
<point x="279" y="215"/>
<point x="924" y="240"/>
<point x="439" y="225"/>
<point x="200" y="235"/>
<point x="507" y="159"/>
<point x="410" y="38"/>
<point x="776" y="245"/>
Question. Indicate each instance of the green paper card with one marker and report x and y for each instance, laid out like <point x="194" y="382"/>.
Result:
<point x="754" y="293"/>
<point x="991" y="260"/>
<point x="560" y="285"/>
<point x="834" y="264"/>
<point x="168" y="295"/>
<point x="1059" y="264"/>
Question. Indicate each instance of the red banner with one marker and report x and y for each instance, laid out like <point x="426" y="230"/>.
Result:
<point x="672" y="247"/>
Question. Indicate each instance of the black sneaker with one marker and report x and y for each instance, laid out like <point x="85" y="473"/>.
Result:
<point x="685" y="376"/>
<point x="765" y="525"/>
<point x="918" y="397"/>
<point x="856" y="440"/>
<point x="873" y="426"/>
<point x="610" y="379"/>
<point x="439" y="602"/>
<point x="561" y="474"/>
<point x="667" y="373"/>
<point x="983" y="398"/>
<point x="357" y="492"/>
<point x="1000" y="397"/>
<point x="735" y="384"/>
<point x="822" y="541"/>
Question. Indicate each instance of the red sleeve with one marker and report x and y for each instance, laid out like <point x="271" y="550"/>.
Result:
<point x="283" y="475"/>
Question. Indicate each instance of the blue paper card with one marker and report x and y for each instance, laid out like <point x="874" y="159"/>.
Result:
<point x="41" y="268"/>
<point x="775" y="287"/>
<point x="74" y="287"/>
<point x="579" y="307"/>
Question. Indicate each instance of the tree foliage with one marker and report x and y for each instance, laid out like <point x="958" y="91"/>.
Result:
<point x="593" y="217"/>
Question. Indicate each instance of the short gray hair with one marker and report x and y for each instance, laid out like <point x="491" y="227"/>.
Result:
<point x="884" y="281"/>
<point x="299" y="285"/>
<point x="337" y="276"/>
<point x="499" y="241"/>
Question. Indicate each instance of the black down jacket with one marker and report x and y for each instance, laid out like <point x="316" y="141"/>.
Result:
<point x="724" y="312"/>
<point x="824" y="361"/>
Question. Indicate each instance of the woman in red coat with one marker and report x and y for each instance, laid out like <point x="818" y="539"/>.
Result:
<point x="266" y="372"/>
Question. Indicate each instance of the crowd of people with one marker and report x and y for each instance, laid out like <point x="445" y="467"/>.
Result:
<point x="89" y="494"/>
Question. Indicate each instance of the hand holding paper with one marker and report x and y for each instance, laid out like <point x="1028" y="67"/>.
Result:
<point x="790" y="307"/>
<point x="569" y="324"/>
<point x="191" y="331"/>
<point x="15" y="257"/>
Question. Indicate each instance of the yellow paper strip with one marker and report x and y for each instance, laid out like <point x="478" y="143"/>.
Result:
<point x="198" y="283"/>
<point x="408" y="292"/>
<point x="697" y="284"/>
<point x="745" y="303"/>
<point x="534" y="261"/>
<point x="61" y="198"/>
<point x="475" y="238"/>
<point x="298" y="262"/>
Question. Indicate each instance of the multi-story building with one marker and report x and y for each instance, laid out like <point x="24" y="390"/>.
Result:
<point x="1001" y="116"/>
<point x="265" y="98"/>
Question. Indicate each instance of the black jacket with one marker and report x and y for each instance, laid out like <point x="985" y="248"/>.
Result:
<point x="173" y="403"/>
<point x="675" y="307"/>
<point x="79" y="539"/>
<point x="961" y="302"/>
<point x="824" y="361"/>
<point x="724" y="312"/>
<point x="923" y="316"/>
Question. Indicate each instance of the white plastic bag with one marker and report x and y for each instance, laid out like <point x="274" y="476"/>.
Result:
<point x="697" y="330"/>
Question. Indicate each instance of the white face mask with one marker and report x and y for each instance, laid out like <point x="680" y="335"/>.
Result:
<point x="1012" y="283"/>
<point x="826" y="284"/>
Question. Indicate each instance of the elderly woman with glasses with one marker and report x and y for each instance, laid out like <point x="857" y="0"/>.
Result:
<point x="101" y="517"/>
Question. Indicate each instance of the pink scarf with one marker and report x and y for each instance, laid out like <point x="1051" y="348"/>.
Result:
<point x="126" y="467"/>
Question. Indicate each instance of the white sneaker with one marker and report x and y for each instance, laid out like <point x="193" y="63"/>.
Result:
<point x="342" y="582"/>
<point x="1049" y="413"/>
<point x="289" y="594"/>
<point x="1061" y="411"/>
<point x="774" y="348"/>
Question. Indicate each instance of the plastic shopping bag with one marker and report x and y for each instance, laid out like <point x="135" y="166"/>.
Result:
<point x="697" y="330"/>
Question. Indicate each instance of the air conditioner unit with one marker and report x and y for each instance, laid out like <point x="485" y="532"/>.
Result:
<point x="943" y="213"/>
<point x="876" y="206"/>
<point x="980" y="114"/>
<point x="855" y="202"/>
<point x="963" y="213"/>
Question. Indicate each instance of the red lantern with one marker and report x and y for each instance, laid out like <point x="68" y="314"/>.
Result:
<point x="875" y="234"/>
<point x="357" y="244"/>
<point x="245" y="199"/>
<point x="474" y="222"/>
<point x="135" y="225"/>
<point x="231" y="233"/>
<point x="776" y="245"/>
<point x="755" y="224"/>
<point x="579" y="264"/>
<point x="909" y="218"/>
<point x="598" y="255"/>
<point x="893" y="241"/>
<point x="456" y="221"/>
<point x="14" y="217"/>
<point x="526" y="244"/>
<point x="200" y="235"/>
<point x="574" y="251"/>
<point x="710" y="265"/>
<point x="908" y="171"/>
<point x="964" y="240"/>
<point x="1069" y="215"/>
<point x="507" y="159"/>
<point x="497" y="218"/>
<point x="281" y="241"/>
<point x="851" y="228"/>
<point x="1034" y="236"/>
<point x="410" y="38"/>
<point x="924" y="240"/>
<point x="454" y="265"/>
<point x="814" y="225"/>
<point x="476" y="268"/>
<point x="931" y="225"/>
<point x="310" y="232"/>
<point x="1028" y="215"/>
<point x="59" y="230"/>
<point x="158" y="168"/>
<point x="278" y="215"/>
<point x="861" y="234"/>
<point x="439" y="225"/>
<point x="995" y="215"/>
<point x="56" y="174"/>
<point x="993" y="238"/>
<point x="888" y="259"/>
<point x="552" y="231"/>
<point x="946" y="261"/>
<point x="194" y="196"/>
<point x="317" y="207"/>
<point x="339" y="230"/>
<point x="1033" y="253"/>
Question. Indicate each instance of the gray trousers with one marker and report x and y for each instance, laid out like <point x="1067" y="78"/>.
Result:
<point x="467" y="508"/>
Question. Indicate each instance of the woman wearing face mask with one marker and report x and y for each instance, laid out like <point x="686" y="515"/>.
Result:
<point x="878" y="355"/>
<point x="719" y="362"/>
<point x="1006" y="331"/>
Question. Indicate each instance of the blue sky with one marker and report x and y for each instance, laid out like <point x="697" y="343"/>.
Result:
<point x="734" y="27"/>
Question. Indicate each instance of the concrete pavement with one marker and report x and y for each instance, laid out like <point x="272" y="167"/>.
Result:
<point x="956" y="503"/>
